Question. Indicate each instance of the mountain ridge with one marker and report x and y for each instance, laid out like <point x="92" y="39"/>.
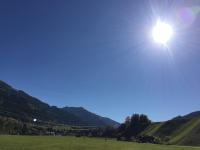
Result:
<point x="86" y="115"/>
<point x="20" y="105"/>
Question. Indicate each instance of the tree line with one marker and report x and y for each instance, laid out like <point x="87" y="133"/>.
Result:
<point x="130" y="130"/>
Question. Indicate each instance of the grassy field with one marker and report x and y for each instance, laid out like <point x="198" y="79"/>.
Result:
<point x="74" y="143"/>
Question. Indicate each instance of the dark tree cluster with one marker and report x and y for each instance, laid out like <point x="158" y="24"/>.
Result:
<point x="133" y="126"/>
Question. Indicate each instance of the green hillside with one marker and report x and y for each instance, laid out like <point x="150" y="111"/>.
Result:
<point x="181" y="131"/>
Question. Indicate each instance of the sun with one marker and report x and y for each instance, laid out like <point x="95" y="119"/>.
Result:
<point x="162" y="32"/>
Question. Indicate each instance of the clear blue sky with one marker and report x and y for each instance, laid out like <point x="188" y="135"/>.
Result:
<point x="99" y="54"/>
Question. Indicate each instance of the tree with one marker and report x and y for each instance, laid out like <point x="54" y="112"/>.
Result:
<point x="24" y="129"/>
<point x="133" y="126"/>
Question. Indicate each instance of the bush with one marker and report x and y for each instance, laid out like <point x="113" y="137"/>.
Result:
<point x="148" y="139"/>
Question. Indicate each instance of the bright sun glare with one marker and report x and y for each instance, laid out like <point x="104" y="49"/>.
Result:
<point x="162" y="32"/>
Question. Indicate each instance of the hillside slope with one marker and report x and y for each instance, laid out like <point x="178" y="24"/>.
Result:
<point x="180" y="130"/>
<point x="87" y="116"/>
<point x="21" y="106"/>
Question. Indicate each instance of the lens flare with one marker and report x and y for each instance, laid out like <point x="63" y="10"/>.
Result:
<point x="186" y="16"/>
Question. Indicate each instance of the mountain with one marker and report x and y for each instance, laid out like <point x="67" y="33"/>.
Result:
<point x="87" y="116"/>
<point x="182" y="130"/>
<point x="21" y="106"/>
<point x="193" y="114"/>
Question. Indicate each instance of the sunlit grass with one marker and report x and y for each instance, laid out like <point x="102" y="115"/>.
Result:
<point x="73" y="143"/>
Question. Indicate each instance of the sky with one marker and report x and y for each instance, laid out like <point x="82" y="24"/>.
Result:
<point x="100" y="55"/>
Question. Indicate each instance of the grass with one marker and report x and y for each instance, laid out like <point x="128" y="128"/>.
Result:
<point x="74" y="143"/>
<point x="152" y="129"/>
<point x="178" y="132"/>
<point x="193" y="138"/>
<point x="185" y="130"/>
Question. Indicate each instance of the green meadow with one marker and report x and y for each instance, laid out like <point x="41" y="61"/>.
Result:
<point x="76" y="143"/>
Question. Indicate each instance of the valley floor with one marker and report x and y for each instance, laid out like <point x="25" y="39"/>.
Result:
<point x="76" y="143"/>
